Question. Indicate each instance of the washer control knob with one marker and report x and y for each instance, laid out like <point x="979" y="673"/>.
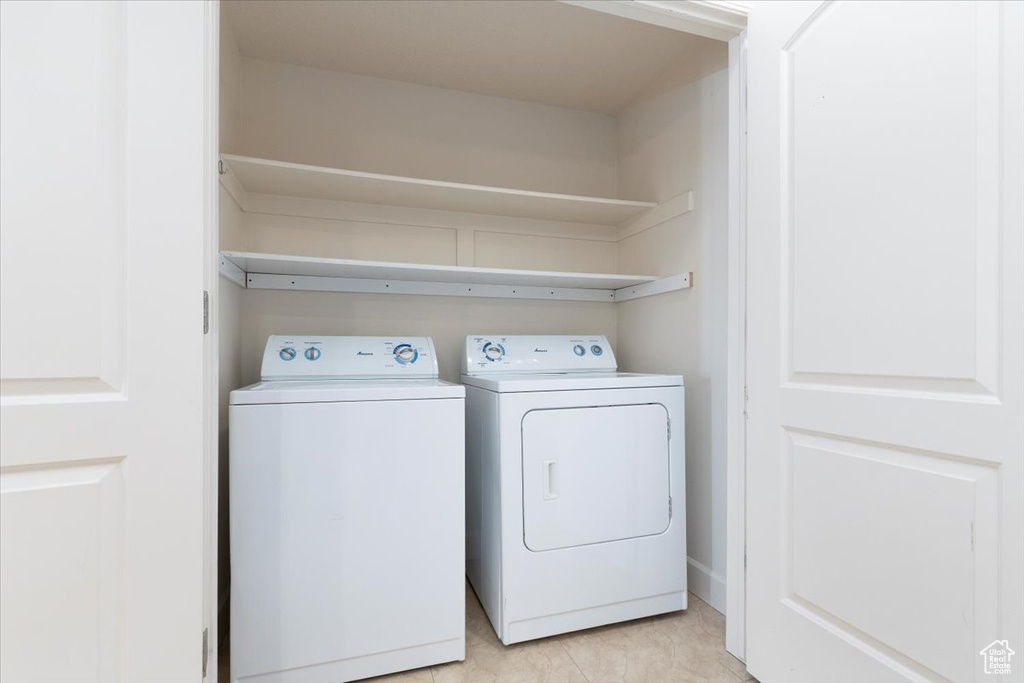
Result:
<point x="579" y="350"/>
<point x="287" y="353"/>
<point x="596" y="350"/>
<point x="493" y="352"/>
<point x="312" y="353"/>
<point x="406" y="354"/>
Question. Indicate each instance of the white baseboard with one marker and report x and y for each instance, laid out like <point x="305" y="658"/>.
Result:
<point x="706" y="584"/>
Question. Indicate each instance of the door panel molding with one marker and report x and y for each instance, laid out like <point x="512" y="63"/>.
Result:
<point x="909" y="387"/>
<point x="853" y="637"/>
<point x="925" y="510"/>
<point x="83" y="549"/>
<point x="71" y="140"/>
<point x="818" y="319"/>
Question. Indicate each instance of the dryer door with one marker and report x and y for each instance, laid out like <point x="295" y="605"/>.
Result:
<point x="592" y="475"/>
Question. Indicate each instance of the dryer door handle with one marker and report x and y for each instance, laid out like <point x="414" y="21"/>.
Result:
<point x="549" y="475"/>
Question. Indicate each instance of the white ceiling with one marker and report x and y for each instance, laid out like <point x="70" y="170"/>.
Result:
<point x="539" y="51"/>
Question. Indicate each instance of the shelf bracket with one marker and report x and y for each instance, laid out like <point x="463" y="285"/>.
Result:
<point x="659" y="286"/>
<point x="231" y="271"/>
<point x="319" y="283"/>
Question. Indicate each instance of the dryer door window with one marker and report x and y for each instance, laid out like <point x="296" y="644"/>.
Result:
<point x="593" y="475"/>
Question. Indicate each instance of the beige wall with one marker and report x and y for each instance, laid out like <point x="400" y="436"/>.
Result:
<point x="332" y="238"/>
<point x="327" y="118"/>
<point x="675" y="142"/>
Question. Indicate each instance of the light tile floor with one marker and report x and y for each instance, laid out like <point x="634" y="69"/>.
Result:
<point x="679" y="647"/>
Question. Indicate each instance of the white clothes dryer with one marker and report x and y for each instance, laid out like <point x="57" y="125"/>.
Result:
<point x="347" y="521"/>
<point x="575" y="486"/>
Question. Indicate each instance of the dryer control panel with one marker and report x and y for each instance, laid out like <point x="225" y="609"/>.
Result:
<point x="314" y="357"/>
<point x="497" y="353"/>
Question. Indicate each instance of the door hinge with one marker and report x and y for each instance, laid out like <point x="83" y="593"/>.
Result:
<point x="206" y="649"/>
<point x="221" y="168"/>
<point x="206" y="312"/>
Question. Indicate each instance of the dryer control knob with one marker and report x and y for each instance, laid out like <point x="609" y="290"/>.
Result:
<point x="596" y="350"/>
<point x="312" y="353"/>
<point x="287" y="353"/>
<point x="579" y="350"/>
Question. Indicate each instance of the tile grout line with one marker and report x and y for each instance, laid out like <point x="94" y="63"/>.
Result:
<point x="573" y="660"/>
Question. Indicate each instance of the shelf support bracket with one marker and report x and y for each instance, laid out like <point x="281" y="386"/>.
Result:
<point x="231" y="271"/>
<point x="319" y="283"/>
<point x="659" y="286"/>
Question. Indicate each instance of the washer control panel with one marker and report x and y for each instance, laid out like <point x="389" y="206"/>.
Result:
<point x="315" y="357"/>
<point x="536" y="354"/>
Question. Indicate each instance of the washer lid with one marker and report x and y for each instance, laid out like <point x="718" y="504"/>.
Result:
<point x="333" y="391"/>
<point x="569" y="381"/>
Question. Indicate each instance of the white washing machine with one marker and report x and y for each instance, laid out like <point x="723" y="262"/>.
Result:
<point x="575" y="512"/>
<point x="347" y="517"/>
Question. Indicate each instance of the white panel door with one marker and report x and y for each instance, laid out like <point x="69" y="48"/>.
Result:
<point x="101" y="207"/>
<point x="885" y="339"/>
<point x="592" y="475"/>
